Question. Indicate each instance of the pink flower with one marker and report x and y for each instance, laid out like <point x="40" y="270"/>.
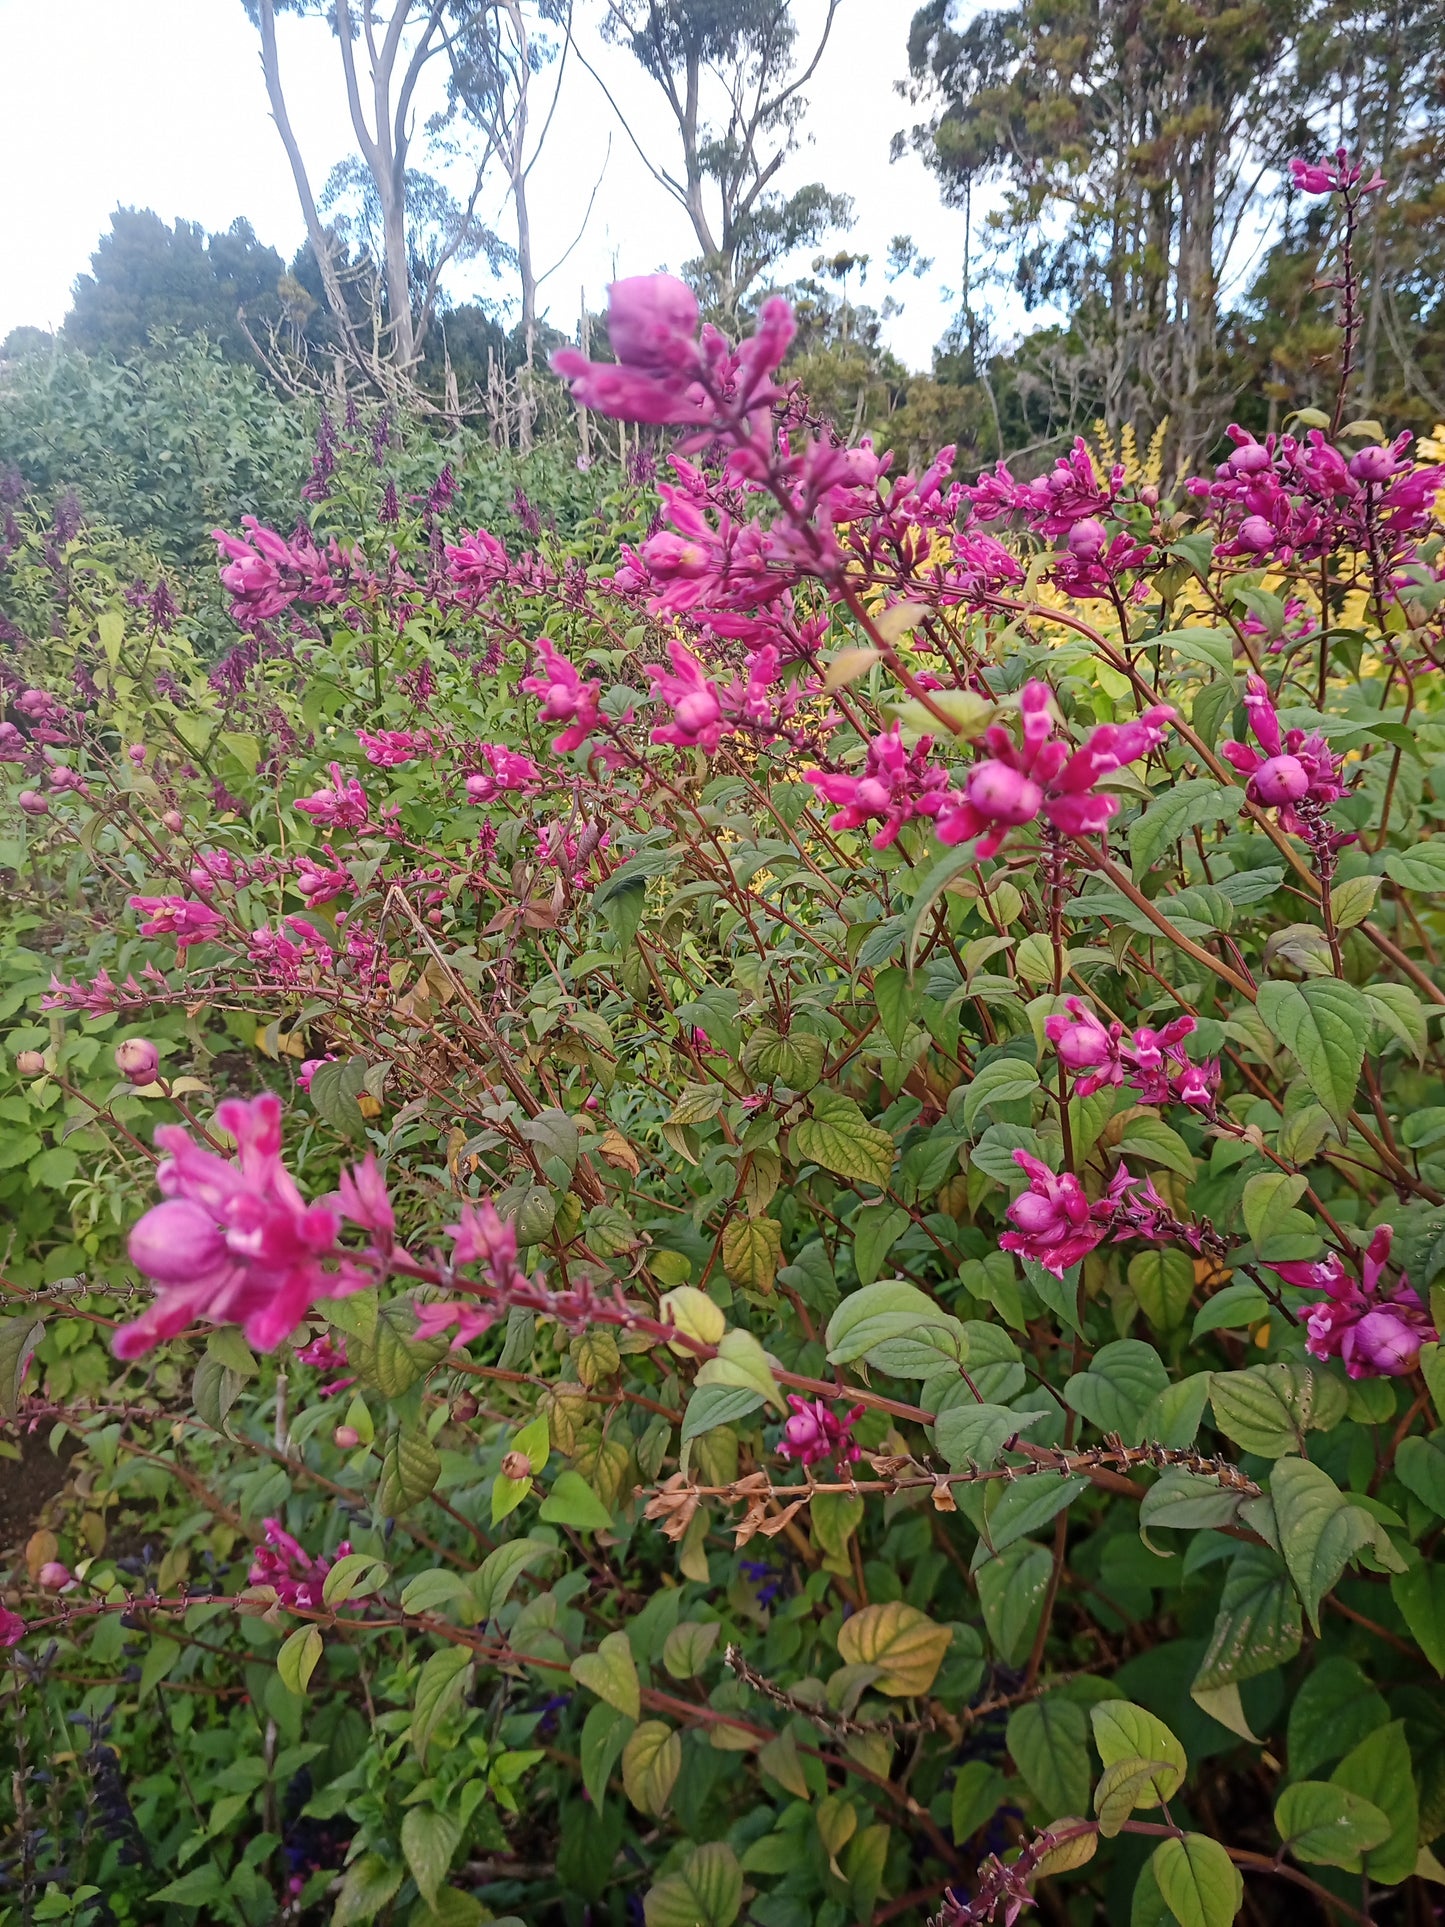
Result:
<point x="309" y="1068"/>
<point x="362" y="1198"/>
<point x="1056" y="1225"/>
<point x="1377" y="1329"/>
<point x="291" y="1572"/>
<point x="265" y="573"/>
<point x="1298" y="774"/>
<point x="652" y="323"/>
<point x="566" y="698"/>
<point x="814" y="1432"/>
<point x="56" y="1576"/>
<point x="320" y="886"/>
<point x="33" y="803"/>
<point x="138" y="1060"/>
<point x="1041" y="775"/>
<point x="509" y="771"/>
<point x="388" y="748"/>
<point x="1154" y="1061"/>
<point x="13" y="746"/>
<point x="234" y="1242"/>
<point x="897" y="785"/>
<point x="343" y="807"/>
<point x="178" y="917"/>
<point x="1336" y="176"/>
<point x="478" y="564"/>
<point x="12" y="1628"/>
<point x="469" y="1321"/>
<point x="692" y="698"/>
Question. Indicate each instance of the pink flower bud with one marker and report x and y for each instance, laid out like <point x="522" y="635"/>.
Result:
<point x="1249" y="458"/>
<point x="177" y="1242"/>
<point x="1149" y="496"/>
<point x="1088" y="539"/>
<point x="138" y="1059"/>
<point x="1283" y="779"/>
<point x="652" y="322"/>
<point x="1383" y="1345"/>
<point x="54" y="1576"/>
<point x="1373" y="465"/>
<point x="174" y="822"/>
<point x="33" y="803"/>
<point x="1002" y="794"/>
<point x="347" y="1437"/>
<point x="30" y="1063"/>
<point x="137" y="753"/>
<point x="1257" y="534"/>
<point x="516" y="1465"/>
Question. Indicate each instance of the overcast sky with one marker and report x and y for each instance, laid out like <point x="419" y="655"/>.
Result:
<point x="160" y="104"/>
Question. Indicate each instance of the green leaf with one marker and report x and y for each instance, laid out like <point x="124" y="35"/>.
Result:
<point x="685" y="1650"/>
<point x="554" y="1132"/>
<point x="1004" y="1081"/>
<point x="201" y="1886"/>
<point x="651" y="1762"/>
<point x="716" y="1405"/>
<point x="1185" y="1502"/>
<point x="876" y="1228"/>
<point x="605" y="1732"/>
<point x="1124" y="1732"/>
<point x="752" y="1250"/>
<point x="409" y="1471"/>
<point x="494" y="1579"/>
<point x="1325" y="1025"/>
<point x="1420" y="868"/>
<point x="969" y="1434"/>
<point x="1380" y="1771"/>
<point x="978" y="1793"/>
<point x="1398" y="1012"/>
<point x="611" y="1674"/>
<point x="1230" y="1310"/>
<point x="572" y="1502"/>
<point x="18" y="1339"/>
<point x="1258" y="1625"/>
<point x="369" y="1883"/>
<point x="1026" y="1507"/>
<point x="1197" y="800"/>
<point x="1200" y="1884"/>
<point x="1334" y="1709"/>
<point x="1011" y="1590"/>
<point x="439" y="1684"/>
<point x="1198" y="644"/>
<point x="897" y="998"/>
<point x="1420" y="1464"/>
<point x="1121" y="1382"/>
<point x="1125" y="1786"/>
<point x="839" y="1138"/>
<point x="334" y="1091"/>
<point x="742" y="1362"/>
<point x="1048" y="1739"/>
<point x="428" y="1840"/>
<point x="1319" y="1530"/>
<point x="890" y="1309"/>
<point x="707" y="1892"/>
<point x="904" y="1644"/>
<point x="1152" y="1138"/>
<point x="1328" y="1826"/>
<point x="1268" y="1196"/>
<point x="1162" y="1279"/>
<point x="1266" y="1409"/>
<point x="428" y="1590"/>
<point x="1420" y="1596"/>
<point x="795" y="1060"/>
<point x="1353" y="900"/>
<point x="715" y="1013"/>
<point x="296" y="1661"/>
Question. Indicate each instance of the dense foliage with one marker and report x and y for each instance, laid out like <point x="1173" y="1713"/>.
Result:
<point x="793" y="1270"/>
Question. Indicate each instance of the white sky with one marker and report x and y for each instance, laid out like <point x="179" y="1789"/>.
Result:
<point x="160" y="104"/>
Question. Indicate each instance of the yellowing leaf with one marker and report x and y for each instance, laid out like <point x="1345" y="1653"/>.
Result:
<point x="904" y="1643"/>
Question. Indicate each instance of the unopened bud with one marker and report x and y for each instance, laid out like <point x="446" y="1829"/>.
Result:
<point x="516" y="1465"/>
<point x="464" y="1408"/>
<point x="347" y="1437"/>
<point x="174" y="822"/>
<point x="138" y="1060"/>
<point x="30" y="1063"/>
<point x="55" y="1576"/>
<point x="33" y="803"/>
<point x="1149" y="496"/>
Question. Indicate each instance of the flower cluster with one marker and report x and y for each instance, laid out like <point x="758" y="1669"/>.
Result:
<point x="1057" y="1224"/>
<point x="1374" y="1326"/>
<point x="1298" y="774"/>
<point x="234" y="1241"/>
<point x="1155" y="1062"/>
<point x="265" y="573"/>
<point x="814" y="1433"/>
<point x="284" y="1565"/>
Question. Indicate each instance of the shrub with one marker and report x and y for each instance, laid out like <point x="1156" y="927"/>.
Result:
<point x="793" y="1272"/>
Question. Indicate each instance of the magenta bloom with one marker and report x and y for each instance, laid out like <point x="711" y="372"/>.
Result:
<point x="342" y="807"/>
<point x="138" y="1060"/>
<point x="1154" y="1061"/>
<point x="180" y="918"/>
<point x="234" y="1241"/>
<point x="283" y="1564"/>
<point x="1056" y="1225"/>
<point x="1334" y="176"/>
<point x="320" y="886"/>
<point x="309" y="1068"/>
<point x="478" y="564"/>
<point x="12" y="1628"/>
<point x="566" y="698"/>
<point x="1377" y="1328"/>
<point x="897" y="784"/>
<point x="1298" y="774"/>
<point x="652" y="323"/>
<point x="694" y="701"/>
<point x="13" y="746"/>
<point x="509" y="771"/>
<point x="389" y="748"/>
<point x="265" y="573"/>
<point x="1016" y="782"/>
<point x="814" y="1433"/>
